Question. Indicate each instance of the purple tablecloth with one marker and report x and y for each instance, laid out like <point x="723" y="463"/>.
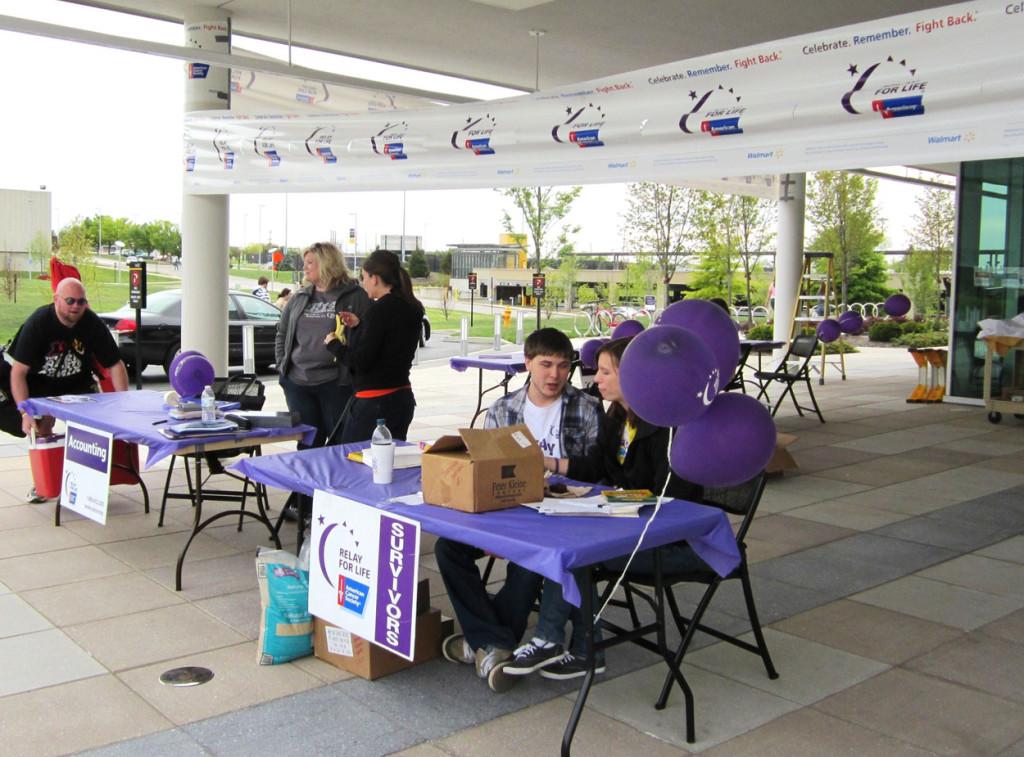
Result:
<point x="133" y="416"/>
<point x="549" y="545"/>
<point x="509" y="362"/>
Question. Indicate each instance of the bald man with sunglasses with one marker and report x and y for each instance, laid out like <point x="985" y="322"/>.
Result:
<point x="55" y="350"/>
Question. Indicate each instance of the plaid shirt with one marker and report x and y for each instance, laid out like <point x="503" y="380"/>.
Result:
<point x="581" y="418"/>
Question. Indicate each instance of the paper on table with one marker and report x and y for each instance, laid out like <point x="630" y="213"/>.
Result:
<point x="585" y="506"/>
<point x="405" y="456"/>
<point x="408" y="499"/>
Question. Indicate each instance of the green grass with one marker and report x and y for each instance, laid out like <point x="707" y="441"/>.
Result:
<point x="283" y="278"/>
<point x="101" y="285"/>
<point x="483" y="322"/>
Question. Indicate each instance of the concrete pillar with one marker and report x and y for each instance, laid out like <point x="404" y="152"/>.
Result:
<point x="789" y="255"/>
<point x="204" y="218"/>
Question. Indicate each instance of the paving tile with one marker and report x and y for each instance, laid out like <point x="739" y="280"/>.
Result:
<point x="981" y="445"/>
<point x="896" y="442"/>
<point x="24" y="516"/>
<point x="35" y="540"/>
<point x="940" y="602"/>
<point x="869" y="631"/>
<point x="109" y="597"/>
<point x="18" y="617"/>
<point x="1011" y="549"/>
<point x="324" y="671"/>
<point x="170" y="742"/>
<point x="955" y="534"/>
<point x="794" y="491"/>
<point x="809" y="732"/>
<point x="60" y="567"/>
<point x="538" y="730"/>
<point x="74" y="716"/>
<point x="723" y="708"/>
<point x="828" y="572"/>
<point x="202" y="579"/>
<point x="1012" y="463"/>
<point x="796" y="532"/>
<point x="902" y="498"/>
<point x="1009" y="628"/>
<point x="874" y="548"/>
<point x="906" y="705"/>
<point x="966" y="482"/>
<point x="34" y="660"/>
<point x="4" y="589"/>
<point x="981" y="573"/>
<point x="120" y="528"/>
<point x="882" y="471"/>
<point x="240" y="611"/>
<point x="238" y="683"/>
<point x="132" y="640"/>
<point x="820" y="459"/>
<point x="847" y="515"/>
<point x="808" y="671"/>
<point x="980" y="661"/>
<point x="154" y="551"/>
<point x="426" y="749"/>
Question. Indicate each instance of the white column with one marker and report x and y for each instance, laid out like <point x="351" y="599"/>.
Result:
<point x="204" y="218"/>
<point x="789" y="253"/>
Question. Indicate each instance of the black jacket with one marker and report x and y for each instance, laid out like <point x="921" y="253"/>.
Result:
<point x="645" y="467"/>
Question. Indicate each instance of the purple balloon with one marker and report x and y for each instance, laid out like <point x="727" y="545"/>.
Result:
<point x="191" y="373"/>
<point x="851" y="322"/>
<point x="897" y="305"/>
<point x="731" y="443"/>
<point x="829" y="330"/>
<point x="588" y="352"/>
<point x="713" y="325"/>
<point x="668" y="375"/>
<point x="627" y="328"/>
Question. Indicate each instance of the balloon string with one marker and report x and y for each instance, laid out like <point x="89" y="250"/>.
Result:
<point x="657" y="507"/>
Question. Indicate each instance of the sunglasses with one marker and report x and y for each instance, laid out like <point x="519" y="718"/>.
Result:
<point x="76" y="301"/>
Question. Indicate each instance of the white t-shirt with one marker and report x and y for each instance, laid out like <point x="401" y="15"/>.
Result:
<point x="545" y="423"/>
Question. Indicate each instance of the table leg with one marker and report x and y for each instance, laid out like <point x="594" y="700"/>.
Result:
<point x="587" y="607"/>
<point x="197" y="501"/>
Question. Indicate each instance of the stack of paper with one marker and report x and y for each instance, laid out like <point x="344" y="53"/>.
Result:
<point x="405" y="456"/>
<point x="587" y="507"/>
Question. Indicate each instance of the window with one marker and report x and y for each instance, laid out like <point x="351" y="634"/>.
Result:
<point x="258" y="310"/>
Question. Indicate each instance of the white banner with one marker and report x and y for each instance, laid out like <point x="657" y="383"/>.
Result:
<point x="363" y="570"/>
<point x="928" y="87"/>
<point x="85" y="486"/>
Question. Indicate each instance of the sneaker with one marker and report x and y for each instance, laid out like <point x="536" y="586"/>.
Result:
<point x="456" y="649"/>
<point x="486" y="658"/>
<point x="34" y="499"/>
<point x="534" y="655"/>
<point x="498" y="681"/>
<point x="568" y="667"/>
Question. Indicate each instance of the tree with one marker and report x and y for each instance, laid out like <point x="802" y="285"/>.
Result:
<point x="718" y="263"/>
<point x="932" y="238"/>
<point x="75" y="245"/>
<point x="918" y="278"/>
<point x="418" y="267"/>
<point x="640" y="278"/>
<point x="543" y="211"/>
<point x="752" y="220"/>
<point x="446" y="263"/>
<point x="660" y="219"/>
<point x="841" y="209"/>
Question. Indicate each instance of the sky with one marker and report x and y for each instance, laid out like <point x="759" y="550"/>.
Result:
<point x="101" y="130"/>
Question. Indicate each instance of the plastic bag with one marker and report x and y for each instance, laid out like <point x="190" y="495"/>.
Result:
<point x="286" y="627"/>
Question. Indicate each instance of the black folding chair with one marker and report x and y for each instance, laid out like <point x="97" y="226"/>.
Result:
<point x="794" y="368"/>
<point x="249" y="392"/>
<point x="739" y="500"/>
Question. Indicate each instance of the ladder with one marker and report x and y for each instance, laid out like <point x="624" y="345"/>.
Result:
<point x="815" y="301"/>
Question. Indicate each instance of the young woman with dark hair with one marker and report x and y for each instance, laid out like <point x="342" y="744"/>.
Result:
<point x="378" y="349"/>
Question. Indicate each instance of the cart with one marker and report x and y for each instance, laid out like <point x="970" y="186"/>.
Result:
<point x="1012" y="399"/>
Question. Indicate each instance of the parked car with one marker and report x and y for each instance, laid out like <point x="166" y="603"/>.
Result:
<point x="161" y="329"/>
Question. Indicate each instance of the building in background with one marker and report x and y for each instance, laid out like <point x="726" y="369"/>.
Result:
<point x="24" y="229"/>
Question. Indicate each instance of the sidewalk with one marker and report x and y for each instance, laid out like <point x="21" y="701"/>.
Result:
<point x="888" y="571"/>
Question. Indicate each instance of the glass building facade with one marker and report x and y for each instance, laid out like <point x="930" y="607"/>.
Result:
<point x="989" y="268"/>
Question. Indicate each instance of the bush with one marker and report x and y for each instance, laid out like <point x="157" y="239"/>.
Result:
<point x="913" y="327"/>
<point x="884" y="331"/>
<point x="762" y="331"/>
<point x="840" y="346"/>
<point x="923" y="339"/>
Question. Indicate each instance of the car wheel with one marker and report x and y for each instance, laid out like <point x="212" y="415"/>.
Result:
<point x="169" y="357"/>
<point x="130" y="367"/>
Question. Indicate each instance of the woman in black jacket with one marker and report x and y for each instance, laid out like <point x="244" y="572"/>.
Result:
<point x="379" y="348"/>
<point x="630" y="454"/>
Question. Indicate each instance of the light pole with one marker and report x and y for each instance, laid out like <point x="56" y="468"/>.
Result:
<point x="259" y="237"/>
<point x="537" y="34"/>
<point x="354" y="239"/>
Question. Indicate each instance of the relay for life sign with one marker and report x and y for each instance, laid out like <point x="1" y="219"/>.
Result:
<point x="363" y="571"/>
<point x="85" y="484"/>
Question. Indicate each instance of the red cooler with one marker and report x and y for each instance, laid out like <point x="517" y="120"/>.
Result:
<point x="46" y="455"/>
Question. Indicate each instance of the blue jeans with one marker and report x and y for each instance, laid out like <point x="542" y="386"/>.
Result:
<point x="555" y="612"/>
<point x="319" y="405"/>
<point x="496" y="622"/>
<point x="396" y="409"/>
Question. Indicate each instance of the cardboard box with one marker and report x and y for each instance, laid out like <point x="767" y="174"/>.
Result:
<point x="782" y="459"/>
<point x="367" y="660"/>
<point x="484" y="469"/>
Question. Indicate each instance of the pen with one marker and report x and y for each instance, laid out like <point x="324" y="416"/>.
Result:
<point x="157" y="423"/>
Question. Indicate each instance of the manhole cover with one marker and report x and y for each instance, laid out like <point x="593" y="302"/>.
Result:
<point x="188" y="676"/>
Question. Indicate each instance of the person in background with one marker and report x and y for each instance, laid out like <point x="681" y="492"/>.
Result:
<point x="378" y="348"/>
<point x="261" y="290"/>
<point x="282" y="298"/>
<point x="54" y="353"/>
<point x="316" y="385"/>
<point x="630" y="454"/>
<point x="565" y="422"/>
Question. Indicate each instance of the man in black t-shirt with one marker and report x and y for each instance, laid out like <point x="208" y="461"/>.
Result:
<point x="55" y="350"/>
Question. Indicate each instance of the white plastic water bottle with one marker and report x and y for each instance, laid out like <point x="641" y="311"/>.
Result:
<point x="209" y="406"/>
<point x="382" y="446"/>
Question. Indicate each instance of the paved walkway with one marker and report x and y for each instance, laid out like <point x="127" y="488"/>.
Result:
<point x="889" y="572"/>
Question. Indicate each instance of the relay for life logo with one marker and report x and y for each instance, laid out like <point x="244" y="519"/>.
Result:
<point x="888" y="87"/>
<point x="582" y="127"/>
<point x="319" y="144"/>
<point x="390" y="141"/>
<point x="716" y="113"/>
<point x="475" y="135"/>
<point x="266" y="147"/>
<point x="224" y="152"/>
